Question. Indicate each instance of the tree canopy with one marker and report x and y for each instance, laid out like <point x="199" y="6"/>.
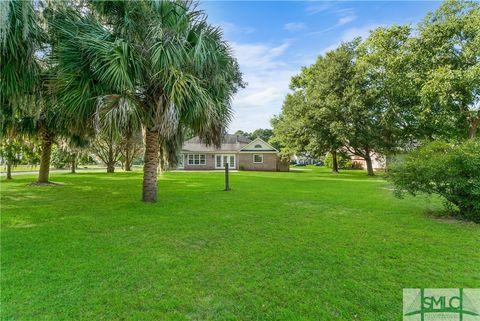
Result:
<point x="117" y="67"/>
<point x="389" y="92"/>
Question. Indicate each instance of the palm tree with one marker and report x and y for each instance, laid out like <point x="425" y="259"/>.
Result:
<point x="28" y="106"/>
<point x="20" y="73"/>
<point x="160" y="60"/>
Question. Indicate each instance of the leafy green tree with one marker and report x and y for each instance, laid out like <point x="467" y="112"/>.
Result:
<point x="10" y="152"/>
<point x="262" y="133"/>
<point x="384" y="69"/>
<point x="108" y="148"/>
<point x="60" y="157"/>
<point x="289" y="127"/>
<point x="379" y="102"/>
<point x="30" y="153"/>
<point x="313" y="122"/>
<point x="447" y="69"/>
<point x="343" y="159"/>
<point x="132" y="148"/>
<point x="244" y="134"/>
<point x="325" y="85"/>
<point x="160" y="60"/>
<point x="69" y="150"/>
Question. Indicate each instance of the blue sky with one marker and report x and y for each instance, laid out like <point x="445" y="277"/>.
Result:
<point x="272" y="40"/>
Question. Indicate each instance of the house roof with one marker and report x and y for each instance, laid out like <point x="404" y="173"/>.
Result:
<point x="229" y="143"/>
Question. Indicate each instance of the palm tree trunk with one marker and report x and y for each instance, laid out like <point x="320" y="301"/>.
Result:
<point x="46" y="151"/>
<point x="111" y="161"/>
<point x="9" y="170"/>
<point x="73" y="163"/>
<point x="162" y="162"/>
<point x="128" y="160"/>
<point x="334" y="162"/>
<point x="152" y="147"/>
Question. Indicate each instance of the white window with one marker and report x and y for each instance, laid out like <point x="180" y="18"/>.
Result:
<point x="221" y="160"/>
<point x="257" y="158"/>
<point x="196" y="159"/>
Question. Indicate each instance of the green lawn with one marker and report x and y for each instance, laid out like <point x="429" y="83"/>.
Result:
<point x="304" y="245"/>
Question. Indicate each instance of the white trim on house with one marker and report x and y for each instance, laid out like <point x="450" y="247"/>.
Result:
<point x="252" y="147"/>
<point x="261" y="156"/>
<point x="258" y="151"/>
<point x="186" y="151"/>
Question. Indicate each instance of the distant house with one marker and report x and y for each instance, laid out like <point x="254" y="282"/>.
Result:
<point x="378" y="161"/>
<point x="303" y="160"/>
<point x="239" y="152"/>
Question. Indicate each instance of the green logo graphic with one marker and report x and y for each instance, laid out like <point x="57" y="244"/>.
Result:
<point x="441" y="304"/>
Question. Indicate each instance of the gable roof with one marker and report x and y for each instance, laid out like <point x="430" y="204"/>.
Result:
<point x="258" y="145"/>
<point x="229" y="143"/>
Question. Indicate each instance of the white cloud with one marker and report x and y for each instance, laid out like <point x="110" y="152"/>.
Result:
<point x="258" y="55"/>
<point x="294" y="26"/>
<point x="230" y="29"/>
<point x="319" y="7"/>
<point x="350" y="34"/>
<point x="346" y="19"/>
<point x="355" y="32"/>
<point x="268" y="77"/>
<point x="346" y="15"/>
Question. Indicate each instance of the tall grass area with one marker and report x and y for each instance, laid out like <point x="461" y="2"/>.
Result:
<point x="303" y="245"/>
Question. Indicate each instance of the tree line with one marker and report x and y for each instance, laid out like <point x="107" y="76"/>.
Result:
<point x="109" y="71"/>
<point x="400" y="87"/>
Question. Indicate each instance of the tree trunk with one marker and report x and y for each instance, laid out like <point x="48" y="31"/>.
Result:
<point x="128" y="161"/>
<point x="162" y="162"/>
<point x="152" y="147"/>
<point x="110" y="167"/>
<point x="334" y="162"/>
<point x="111" y="160"/>
<point x="368" y="160"/>
<point x="128" y="167"/>
<point x="472" y="130"/>
<point x="73" y="163"/>
<point x="46" y="151"/>
<point x="9" y="170"/>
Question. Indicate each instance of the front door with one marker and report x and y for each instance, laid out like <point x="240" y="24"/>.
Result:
<point x="221" y="160"/>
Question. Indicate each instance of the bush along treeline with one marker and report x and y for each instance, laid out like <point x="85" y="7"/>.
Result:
<point x="105" y="73"/>
<point x="449" y="170"/>
<point x="391" y="93"/>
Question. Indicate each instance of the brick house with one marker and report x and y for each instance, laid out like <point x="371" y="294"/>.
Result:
<point x="239" y="152"/>
<point x="378" y="162"/>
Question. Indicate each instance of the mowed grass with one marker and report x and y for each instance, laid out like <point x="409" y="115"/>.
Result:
<point x="304" y="245"/>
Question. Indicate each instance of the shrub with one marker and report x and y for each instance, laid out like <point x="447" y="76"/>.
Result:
<point x="344" y="162"/>
<point x="451" y="171"/>
<point x="60" y="158"/>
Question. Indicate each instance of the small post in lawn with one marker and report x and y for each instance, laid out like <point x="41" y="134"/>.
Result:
<point x="227" y="185"/>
